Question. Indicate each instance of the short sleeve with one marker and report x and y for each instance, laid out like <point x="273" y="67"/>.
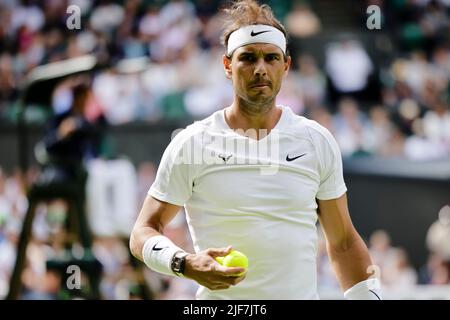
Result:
<point x="174" y="178"/>
<point x="332" y="183"/>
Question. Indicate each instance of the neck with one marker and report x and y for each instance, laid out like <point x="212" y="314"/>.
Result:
<point x="260" y="117"/>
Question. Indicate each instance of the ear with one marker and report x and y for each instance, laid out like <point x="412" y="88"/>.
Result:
<point x="227" y="66"/>
<point x="287" y="65"/>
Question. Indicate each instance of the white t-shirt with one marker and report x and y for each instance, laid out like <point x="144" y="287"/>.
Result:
<point x="262" y="203"/>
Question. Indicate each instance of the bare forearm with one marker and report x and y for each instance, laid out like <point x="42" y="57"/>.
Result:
<point x="350" y="261"/>
<point x="138" y="238"/>
<point x="153" y="217"/>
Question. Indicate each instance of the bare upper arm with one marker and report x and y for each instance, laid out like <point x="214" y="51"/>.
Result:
<point x="152" y="219"/>
<point x="156" y="214"/>
<point x="335" y="220"/>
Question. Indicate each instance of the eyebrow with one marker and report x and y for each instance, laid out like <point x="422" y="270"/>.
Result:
<point x="247" y="53"/>
<point x="274" y="54"/>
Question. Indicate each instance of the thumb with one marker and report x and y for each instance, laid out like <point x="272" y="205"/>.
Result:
<point x="219" y="252"/>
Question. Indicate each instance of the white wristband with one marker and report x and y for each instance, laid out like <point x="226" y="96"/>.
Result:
<point x="158" y="252"/>
<point x="369" y="289"/>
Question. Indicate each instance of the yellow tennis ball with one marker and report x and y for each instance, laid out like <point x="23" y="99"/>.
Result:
<point x="220" y="260"/>
<point x="234" y="259"/>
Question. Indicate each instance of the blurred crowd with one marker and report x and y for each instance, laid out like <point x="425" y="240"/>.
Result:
<point x="392" y="265"/>
<point x="122" y="279"/>
<point x="51" y="245"/>
<point x="159" y="51"/>
<point x="165" y="64"/>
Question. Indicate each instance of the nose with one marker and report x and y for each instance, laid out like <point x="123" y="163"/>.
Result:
<point x="260" y="68"/>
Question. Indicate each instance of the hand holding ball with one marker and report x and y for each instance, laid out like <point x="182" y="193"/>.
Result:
<point x="234" y="259"/>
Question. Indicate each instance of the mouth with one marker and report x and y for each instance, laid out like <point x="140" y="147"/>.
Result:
<point x="260" y="85"/>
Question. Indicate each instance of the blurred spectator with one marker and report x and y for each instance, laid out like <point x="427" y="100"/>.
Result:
<point x="435" y="19"/>
<point x="396" y="272"/>
<point x="310" y="81"/>
<point x="323" y="117"/>
<point x="377" y="132"/>
<point x="180" y="25"/>
<point x="113" y="255"/>
<point x="381" y="251"/>
<point x="8" y="83"/>
<point x="13" y="204"/>
<point x="400" y="274"/>
<point x="395" y="146"/>
<point x="39" y="282"/>
<point x="111" y="197"/>
<point x="119" y="95"/>
<point x="436" y="124"/>
<point x="70" y="139"/>
<point x="289" y="95"/>
<point x="150" y="24"/>
<point x="416" y="71"/>
<point x="301" y="22"/>
<point x="441" y="60"/>
<point x="419" y="147"/>
<point x="9" y="238"/>
<point x="26" y="15"/>
<point x="438" y="235"/>
<point x="348" y="78"/>
<point x="436" y="271"/>
<point x="204" y="93"/>
<point x="146" y="174"/>
<point x="106" y="16"/>
<point x="348" y="126"/>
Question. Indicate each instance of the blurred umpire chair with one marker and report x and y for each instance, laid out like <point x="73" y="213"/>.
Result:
<point x="54" y="183"/>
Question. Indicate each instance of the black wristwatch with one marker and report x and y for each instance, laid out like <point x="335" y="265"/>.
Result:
<point x="178" y="262"/>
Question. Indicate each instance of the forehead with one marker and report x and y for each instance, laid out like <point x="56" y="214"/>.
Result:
<point x="259" y="48"/>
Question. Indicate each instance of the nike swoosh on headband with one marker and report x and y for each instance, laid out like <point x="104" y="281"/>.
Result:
<point x="258" y="33"/>
<point x="253" y="34"/>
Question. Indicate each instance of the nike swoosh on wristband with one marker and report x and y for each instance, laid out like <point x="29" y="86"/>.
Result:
<point x="292" y="159"/>
<point x="158" y="249"/>
<point x="375" y="294"/>
<point x="253" y="34"/>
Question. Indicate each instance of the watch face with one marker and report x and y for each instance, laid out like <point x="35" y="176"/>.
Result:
<point x="177" y="264"/>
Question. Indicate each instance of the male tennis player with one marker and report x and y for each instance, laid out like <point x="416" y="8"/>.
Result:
<point x="229" y="198"/>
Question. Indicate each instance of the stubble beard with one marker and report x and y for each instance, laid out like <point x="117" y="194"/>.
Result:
<point x="256" y="106"/>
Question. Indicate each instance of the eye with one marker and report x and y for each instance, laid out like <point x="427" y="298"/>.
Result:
<point x="248" y="58"/>
<point x="272" y="57"/>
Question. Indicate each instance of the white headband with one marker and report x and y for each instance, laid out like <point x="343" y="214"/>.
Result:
<point x="257" y="33"/>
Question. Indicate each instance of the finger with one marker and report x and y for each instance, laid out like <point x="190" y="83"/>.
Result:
<point x="214" y="285"/>
<point x="219" y="252"/>
<point x="236" y="280"/>
<point x="221" y="287"/>
<point x="232" y="281"/>
<point x="228" y="271"/>
<point x="241" y="278"/>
